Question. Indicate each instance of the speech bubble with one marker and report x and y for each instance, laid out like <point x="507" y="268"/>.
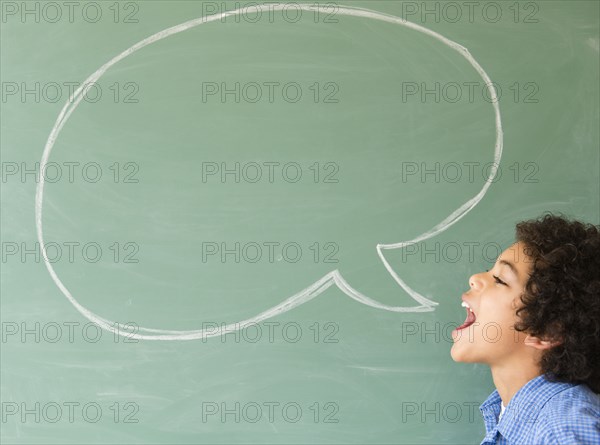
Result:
<point x="332" y="278"/>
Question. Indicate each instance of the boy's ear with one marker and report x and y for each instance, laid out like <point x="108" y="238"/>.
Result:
<point x="540" y="344"/>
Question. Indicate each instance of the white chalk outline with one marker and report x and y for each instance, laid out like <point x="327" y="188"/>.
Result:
<point x="333" y="277"/>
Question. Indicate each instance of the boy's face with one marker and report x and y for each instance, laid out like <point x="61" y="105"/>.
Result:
<point x="494" y="297"/>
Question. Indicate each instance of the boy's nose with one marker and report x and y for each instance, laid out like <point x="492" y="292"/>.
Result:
<point x="474" y="281"/>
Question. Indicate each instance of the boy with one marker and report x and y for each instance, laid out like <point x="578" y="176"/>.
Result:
<point x="542" y="297"/>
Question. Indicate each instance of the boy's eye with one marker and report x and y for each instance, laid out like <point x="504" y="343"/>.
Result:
<point x="498" y="280"/>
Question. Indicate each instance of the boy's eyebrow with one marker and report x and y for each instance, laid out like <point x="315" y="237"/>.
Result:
<point x="510" y="265"/>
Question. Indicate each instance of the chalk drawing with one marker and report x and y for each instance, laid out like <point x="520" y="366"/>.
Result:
<point x="333" y="277"/>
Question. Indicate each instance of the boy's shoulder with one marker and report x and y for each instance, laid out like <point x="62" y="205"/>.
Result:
<point x="571" y="415"/>
<point x="551" y="412"/>
<point x="572" y="394"/>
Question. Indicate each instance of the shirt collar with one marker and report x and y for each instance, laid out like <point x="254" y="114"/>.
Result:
<point x="490" y="409"/>
<point x="523" y="409"/>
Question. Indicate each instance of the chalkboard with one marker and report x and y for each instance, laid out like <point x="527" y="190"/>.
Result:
<point x="252" y="223"/>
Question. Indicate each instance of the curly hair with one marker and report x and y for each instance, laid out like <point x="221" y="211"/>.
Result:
<point x="561" y="301"/>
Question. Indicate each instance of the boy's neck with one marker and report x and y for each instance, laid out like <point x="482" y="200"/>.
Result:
<point x="509" y="379"/>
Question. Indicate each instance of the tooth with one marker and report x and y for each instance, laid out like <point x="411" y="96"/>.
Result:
<point x="464" y="304"/>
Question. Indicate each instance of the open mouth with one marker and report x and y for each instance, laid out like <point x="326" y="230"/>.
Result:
<point x="470" y="317"/>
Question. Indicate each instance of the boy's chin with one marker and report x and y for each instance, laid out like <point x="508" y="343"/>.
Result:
<point x="456" y="357"/>
<point x="461" y="356"/>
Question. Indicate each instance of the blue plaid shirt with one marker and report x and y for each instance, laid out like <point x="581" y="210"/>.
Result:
<point x="544" y="412"/>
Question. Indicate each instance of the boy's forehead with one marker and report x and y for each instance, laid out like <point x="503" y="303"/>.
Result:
<point x="516" y="256"/>
<point x="511" y="253"/>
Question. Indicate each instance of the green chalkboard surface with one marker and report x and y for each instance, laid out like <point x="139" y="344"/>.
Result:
<point x="252" y="223"/>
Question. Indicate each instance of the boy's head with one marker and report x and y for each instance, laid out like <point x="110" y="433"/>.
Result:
<point x="539" y="305"/>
